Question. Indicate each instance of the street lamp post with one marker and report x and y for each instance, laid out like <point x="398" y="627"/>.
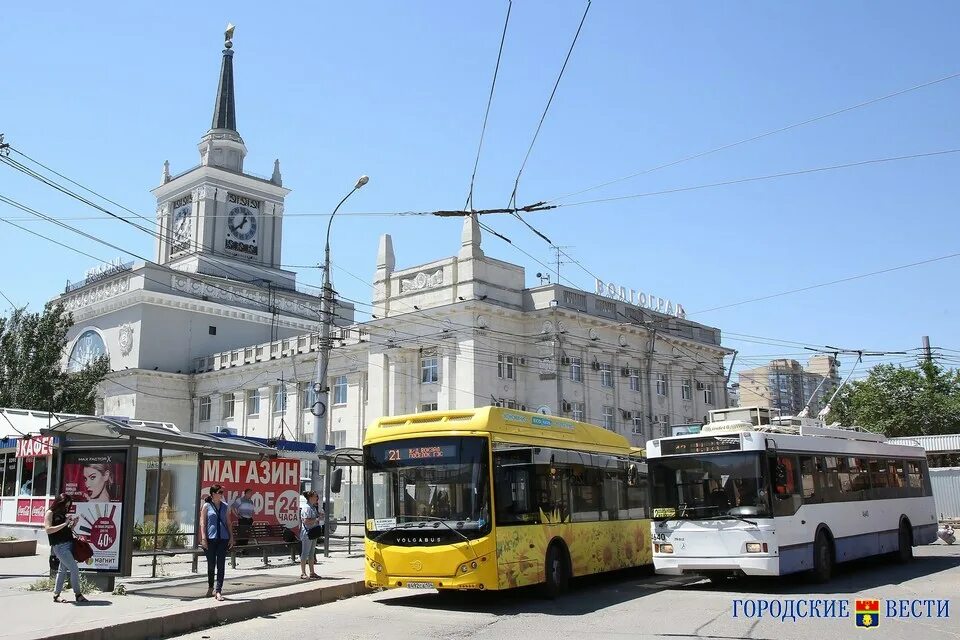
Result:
<point x="320" y="388"/>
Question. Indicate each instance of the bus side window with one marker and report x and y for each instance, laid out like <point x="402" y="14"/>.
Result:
<point x="807" y="472"/>
<point x="786" y="496"/>
<point x="925" y="477"/>
<point x="913" y="478"/>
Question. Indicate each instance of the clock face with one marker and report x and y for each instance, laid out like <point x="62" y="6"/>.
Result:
<point x="181" y="223"/>
<point x="242" y="223"/>
<point x="88" y="347"/>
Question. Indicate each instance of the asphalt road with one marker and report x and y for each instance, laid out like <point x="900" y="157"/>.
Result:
<point x="632" y="605"/>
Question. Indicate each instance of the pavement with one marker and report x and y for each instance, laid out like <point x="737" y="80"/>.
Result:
<point x="174" y="602"/>
<point x="632" y="605"/>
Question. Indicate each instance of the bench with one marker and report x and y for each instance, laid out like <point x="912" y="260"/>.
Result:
<point x="263" y="536"/>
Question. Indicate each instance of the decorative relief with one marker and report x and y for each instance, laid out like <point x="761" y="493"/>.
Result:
<point x="219" y="194"/>
<point x="125" y="339"/>
<point x="102" y="291"/>
<point x="422" y="281"/>
<point x="379" y="291"/>
<point x="241" y="296"/>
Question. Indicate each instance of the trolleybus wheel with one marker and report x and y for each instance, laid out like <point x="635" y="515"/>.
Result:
<point x="905" y="538"/>
<point x="555" y="570"/>
<point x="822" y="558"/>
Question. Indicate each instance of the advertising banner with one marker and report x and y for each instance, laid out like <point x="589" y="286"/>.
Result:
<point x="37" y="446"/>
<point x="95" y="481"/>
<point x="275" y="484"/>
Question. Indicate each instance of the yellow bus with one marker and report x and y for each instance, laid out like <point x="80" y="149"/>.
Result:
<point x="494" y="498"/>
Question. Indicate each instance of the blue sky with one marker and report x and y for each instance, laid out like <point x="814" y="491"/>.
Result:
<point x="105" y="93"/>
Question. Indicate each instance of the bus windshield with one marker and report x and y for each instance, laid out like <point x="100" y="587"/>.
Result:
<point x="714" y="485"/>
<point x="439" y="484"/>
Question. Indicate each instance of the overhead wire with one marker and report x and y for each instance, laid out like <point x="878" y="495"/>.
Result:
<point x="483" y="129"/>
<point x="761" y="135"/>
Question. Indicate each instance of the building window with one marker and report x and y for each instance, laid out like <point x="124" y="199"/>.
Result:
<point x="205" y="409"/>
<point x="607" y="418"/>
<point x="338" y="439"/>
<point x="307" y="395"/>
<point x="428" y="406"/>
<point x="662" y="422"/>
<point x="253" y="402"/>
<point x="576" y="411"/>
<point x="576" y="369"/>
<point x="606" y="374"/>
<point x="280" y="399"/>
<point x="212" y="330"/>
<point x="229" y="402"/>
<point x="340" y="390"/>
<point x="637" y="426"/>
<point x="661" y="384"/>
<point x="505" y="367"/>
<point x="686" y="390"/>
<point x="429" y="369"/>
<point x="634" y="379"/>
<point x="708" y="393"/>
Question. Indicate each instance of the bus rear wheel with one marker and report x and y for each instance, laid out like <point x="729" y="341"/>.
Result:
<point x="555" y="572"/>
<point x="905" y="539"/>
<point x="822" y="558"/>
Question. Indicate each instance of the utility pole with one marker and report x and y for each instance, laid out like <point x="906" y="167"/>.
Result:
<point x="927" y="354"/>
<point x="320" y="389"/>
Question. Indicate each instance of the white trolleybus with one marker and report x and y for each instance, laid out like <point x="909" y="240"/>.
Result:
<point x="758" y="494"/>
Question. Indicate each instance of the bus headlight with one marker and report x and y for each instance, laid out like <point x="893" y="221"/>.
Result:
<point x="756" y="547"/>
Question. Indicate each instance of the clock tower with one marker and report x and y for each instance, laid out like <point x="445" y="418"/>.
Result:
<point x="216" y="219"/>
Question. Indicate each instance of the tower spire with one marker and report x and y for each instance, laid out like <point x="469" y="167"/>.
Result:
<point x="225" y="109"/>
<point x="222" y="145"/>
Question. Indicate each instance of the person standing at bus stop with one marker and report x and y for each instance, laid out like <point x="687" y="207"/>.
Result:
<point x="244" y="508"/>
<point x="310" y="515"/>
<point x="216" y="537"/>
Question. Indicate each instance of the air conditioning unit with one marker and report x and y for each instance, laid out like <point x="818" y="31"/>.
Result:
<point x="566" y="407"/>
<point x="565" y="361"/>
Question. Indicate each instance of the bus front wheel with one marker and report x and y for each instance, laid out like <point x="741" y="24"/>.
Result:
<point x="555" y="570"/>
<point x="905" y="539"/>
<point x="822" y="558"/>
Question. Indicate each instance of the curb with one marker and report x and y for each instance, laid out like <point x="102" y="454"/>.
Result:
<point x="184" y="622"/>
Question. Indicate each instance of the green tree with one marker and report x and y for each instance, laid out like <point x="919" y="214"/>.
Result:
<point x="898" y="401"/>
<point x="32" y="348"/>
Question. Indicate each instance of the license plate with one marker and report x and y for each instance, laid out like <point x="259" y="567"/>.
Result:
<point x="419" y="585"/>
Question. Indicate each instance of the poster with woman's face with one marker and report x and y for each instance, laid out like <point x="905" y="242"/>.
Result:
<point x="94" y="480"/>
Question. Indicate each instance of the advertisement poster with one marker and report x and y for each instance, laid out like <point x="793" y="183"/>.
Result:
<point x="275" y="484"/>
<point x="31" y="511"/>
<point x="95" y="481"/>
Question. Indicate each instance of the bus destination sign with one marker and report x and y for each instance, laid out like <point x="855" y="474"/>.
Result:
<point x="712" y="444"/>
<point x="431" y="452"/>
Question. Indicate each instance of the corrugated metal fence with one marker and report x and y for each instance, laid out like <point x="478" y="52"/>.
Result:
<point x="946" y="491"/>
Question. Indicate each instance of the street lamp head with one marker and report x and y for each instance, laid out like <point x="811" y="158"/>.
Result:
<point x="362" y="181"/>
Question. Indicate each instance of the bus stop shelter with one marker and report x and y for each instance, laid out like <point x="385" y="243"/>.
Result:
<point x="332" y="465"/>
<point x="136" y="487"/>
